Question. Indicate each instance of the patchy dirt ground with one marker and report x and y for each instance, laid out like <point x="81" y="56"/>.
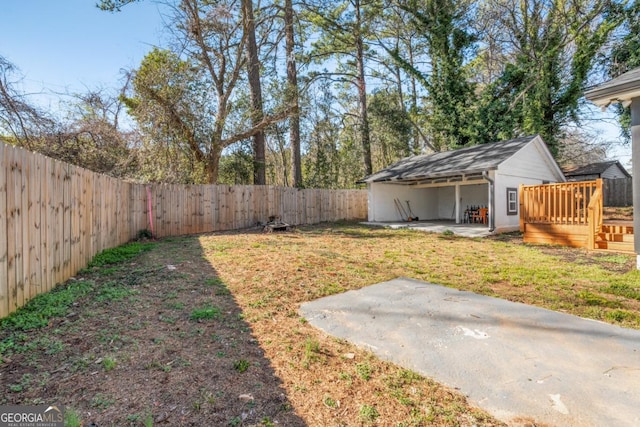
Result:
<point x="205" y="330"/>
<point x="135" y="349"/>
<point x="162" y="341"/>
<point x="621" y="213"/>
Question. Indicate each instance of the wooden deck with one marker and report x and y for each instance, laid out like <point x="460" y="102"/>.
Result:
<point x="556" y="234"/>
<point x="616" y="236"/>
<point x="571" y="214"/>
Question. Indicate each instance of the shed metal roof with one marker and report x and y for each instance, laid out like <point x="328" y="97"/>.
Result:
<point x="470" y="160"/>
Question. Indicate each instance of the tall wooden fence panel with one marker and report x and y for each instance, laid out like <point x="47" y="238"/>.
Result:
<point x="618" y="192"/>
<point x="189" y="209"/>
<point x="55" y="217"/>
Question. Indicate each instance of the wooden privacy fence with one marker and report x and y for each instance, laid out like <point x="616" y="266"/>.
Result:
<point x="54" y="217"/>
<point x="559" y="213"/>
<point x="618" y="192"/>
<point x="190" y="209"/>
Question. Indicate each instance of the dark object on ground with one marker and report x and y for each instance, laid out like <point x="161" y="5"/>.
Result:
<point x="275" y="224"/>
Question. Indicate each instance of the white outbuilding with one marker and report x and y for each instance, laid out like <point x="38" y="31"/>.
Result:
<point x="445" y="186"/>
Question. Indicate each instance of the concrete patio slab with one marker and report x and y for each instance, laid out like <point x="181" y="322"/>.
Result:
<point x="513" y="360"/>
<point x="466" y="230"/>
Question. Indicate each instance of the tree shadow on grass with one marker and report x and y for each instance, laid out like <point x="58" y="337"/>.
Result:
<point x="158" y="340"/>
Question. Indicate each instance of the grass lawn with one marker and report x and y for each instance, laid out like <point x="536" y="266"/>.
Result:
<point x="206" y="329"/>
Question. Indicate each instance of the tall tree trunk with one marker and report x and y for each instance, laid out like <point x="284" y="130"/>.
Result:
<point x="414" y="103"/>
<point x="397" y="73"/>
<point x="212" y="164"/>
<point x="362" y="93"/>
<point x="292" y="95"/>
<point x="255" y="89"/>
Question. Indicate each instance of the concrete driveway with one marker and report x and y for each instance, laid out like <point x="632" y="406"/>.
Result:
<point x="513" y="360"/>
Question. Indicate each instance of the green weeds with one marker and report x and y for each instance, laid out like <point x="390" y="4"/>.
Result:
<point x="311" y="352"/>
<point x="109" y="363"/>
<point x="206" y="313"/>
<point x="23" y="385"/>
<point x="102" y="401"/>
<point x="363" y="370"/>
<point x="120" y="254"/>
<point x="241" y="365"/>
<point x="368" y="413"/>
<point x="213" y="281"/>
<point x="115" y="292"/>
<point x="71" y="418"/>
<point x="592" y="299"/>
<point x="40" y="310"/>
<point x="624" y="289"/>
<point x="329" y="402"/>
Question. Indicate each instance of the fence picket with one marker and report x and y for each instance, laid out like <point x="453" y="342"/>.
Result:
<point x="35" y="227"/>
<point x="12" y="223"/>
<point x="45" y="224"/>
<point x="4" y="283"/>
<point x="15" y="234"/>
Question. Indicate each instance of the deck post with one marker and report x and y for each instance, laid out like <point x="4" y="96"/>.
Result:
<point x="635" y="161"/>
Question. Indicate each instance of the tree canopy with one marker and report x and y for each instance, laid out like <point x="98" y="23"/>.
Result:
<point x="320" y="94"/>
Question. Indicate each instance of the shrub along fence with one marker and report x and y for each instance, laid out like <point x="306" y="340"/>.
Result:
<point x="54" y="217"/>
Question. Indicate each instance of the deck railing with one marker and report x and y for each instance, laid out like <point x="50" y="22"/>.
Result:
<point x="567" y="213"/>
<point x="560" y="203"/>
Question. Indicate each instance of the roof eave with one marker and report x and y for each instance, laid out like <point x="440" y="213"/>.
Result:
<point x="622" y="93"/>
<point x="432" y="176"/>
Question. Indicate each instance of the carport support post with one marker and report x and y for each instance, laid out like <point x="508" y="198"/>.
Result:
<point x="635" y="161"/>
<point x="491" y="198"/>
<point x="457" y="202"/>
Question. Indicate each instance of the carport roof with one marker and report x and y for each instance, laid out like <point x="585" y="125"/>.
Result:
<point x="470" y="160"/>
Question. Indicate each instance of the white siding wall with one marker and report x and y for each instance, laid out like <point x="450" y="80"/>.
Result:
<point x="613" y="172"/>
<point x="446" y="205"/>
<point x="426" y="206"/>
<point x="529" y="163"/>
<point x="424" y="201"/>
<point x="527" y="167"/>
<point x="504" y="222"/>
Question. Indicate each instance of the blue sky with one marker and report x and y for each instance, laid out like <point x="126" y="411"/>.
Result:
<point x="71" y="45"/>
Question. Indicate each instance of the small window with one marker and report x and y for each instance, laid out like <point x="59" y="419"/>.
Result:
<point x="512" y="201"/>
